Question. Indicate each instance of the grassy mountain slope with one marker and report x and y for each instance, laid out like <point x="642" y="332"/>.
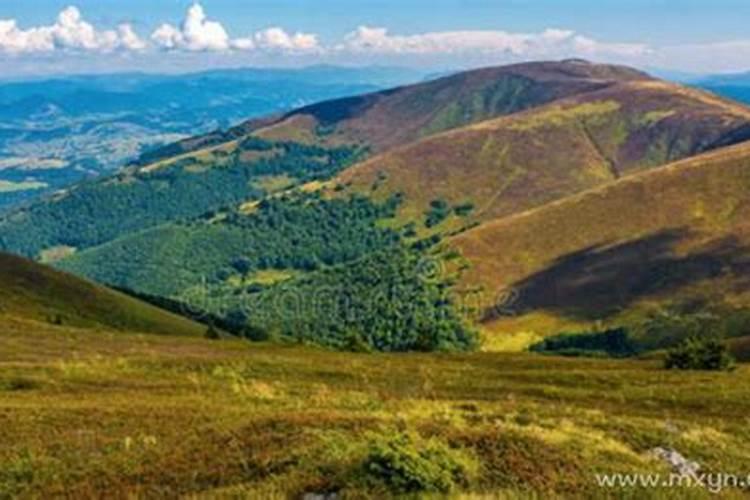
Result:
<point x="674" y="235"/>
<point x="398" y="116"/>
<point x="514" y="163"/>
<point x="37" y="293"/>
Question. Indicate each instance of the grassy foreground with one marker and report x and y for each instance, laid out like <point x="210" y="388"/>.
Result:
<point x="88" y="413"/>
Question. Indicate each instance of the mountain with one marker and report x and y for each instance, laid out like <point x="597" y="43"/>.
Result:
<point x="400" y="115"/>
<point x="173" y="183"/>
<point x="54" y="132"/>
<point x="673" y="237"/>
<point x="32" y="292"/>
<point x="530" y="158"/>
<point x="347" y="201"/>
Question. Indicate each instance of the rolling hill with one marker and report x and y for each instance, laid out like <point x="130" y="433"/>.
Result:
<point x="514" y="163"/>
<point x="674" y="236"/>
<point x="36" y="293"/>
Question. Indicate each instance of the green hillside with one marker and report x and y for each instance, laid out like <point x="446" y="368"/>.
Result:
<point x="295" y="208"/>
<point x="514" y="163"/>
<point x="32" y="292"/>
<point x="135" y="199"/>
<point x="297" y="266"/>
<point x="253" y="222"/>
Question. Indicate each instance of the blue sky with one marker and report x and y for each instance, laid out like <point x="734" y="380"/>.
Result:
<point x="53" y="36"/>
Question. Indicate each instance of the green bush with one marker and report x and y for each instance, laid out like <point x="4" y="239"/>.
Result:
<point x="408" y="464"/>
<point x="438" y="212"/>
<point x="696" y="353"/>
<point x="256" y="334"/>
<point x="614" y="342"/>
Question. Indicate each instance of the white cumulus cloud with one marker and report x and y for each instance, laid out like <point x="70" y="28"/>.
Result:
<point x="70" y="32"/>
<point x="197" y="33"/>
<point x="277" y="39"/>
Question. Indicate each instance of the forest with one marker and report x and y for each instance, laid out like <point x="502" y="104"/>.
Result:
<point x="99" y="211"/>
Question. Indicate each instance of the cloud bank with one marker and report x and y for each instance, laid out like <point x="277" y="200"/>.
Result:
<point x="551" y="42"/>
<point x="197" y="33"/>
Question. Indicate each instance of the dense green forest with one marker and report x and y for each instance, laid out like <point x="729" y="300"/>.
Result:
<point x="296" y="231"/>
<point x="136" y="199"/>
<point x="383" y="301"/>
<point x="352" y="283"/>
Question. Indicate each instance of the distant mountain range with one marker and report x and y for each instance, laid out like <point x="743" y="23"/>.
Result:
<point x="56" y="131"/>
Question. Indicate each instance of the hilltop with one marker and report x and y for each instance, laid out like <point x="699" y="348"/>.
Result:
<point x="36" y="293"/>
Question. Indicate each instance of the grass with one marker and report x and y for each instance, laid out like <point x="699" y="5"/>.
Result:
<point x="30" y="290"/>
<point x="92" y="413"/>
<point x="672" y="234"/>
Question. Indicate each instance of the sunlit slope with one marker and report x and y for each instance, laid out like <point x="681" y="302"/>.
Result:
<point x="676" y="234"/>
<point x="34" y="292"/>
<point x="389" y="118"/>
<point x="525" y="160"/>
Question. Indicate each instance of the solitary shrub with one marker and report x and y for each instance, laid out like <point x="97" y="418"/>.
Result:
<point x="439" y="211"/>
<point x="409" y="464"/>
<point x="697" y="353"/>
<point x="353" y="342"/>
<point x="256" y="333"/>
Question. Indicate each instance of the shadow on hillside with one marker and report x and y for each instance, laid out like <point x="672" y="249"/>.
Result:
<point x="596" y="282"/>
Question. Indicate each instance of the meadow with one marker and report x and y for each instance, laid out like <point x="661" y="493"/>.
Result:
<point x="92" y="413"/>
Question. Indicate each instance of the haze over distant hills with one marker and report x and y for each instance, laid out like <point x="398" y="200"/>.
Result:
<point x="56" y="131"/>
